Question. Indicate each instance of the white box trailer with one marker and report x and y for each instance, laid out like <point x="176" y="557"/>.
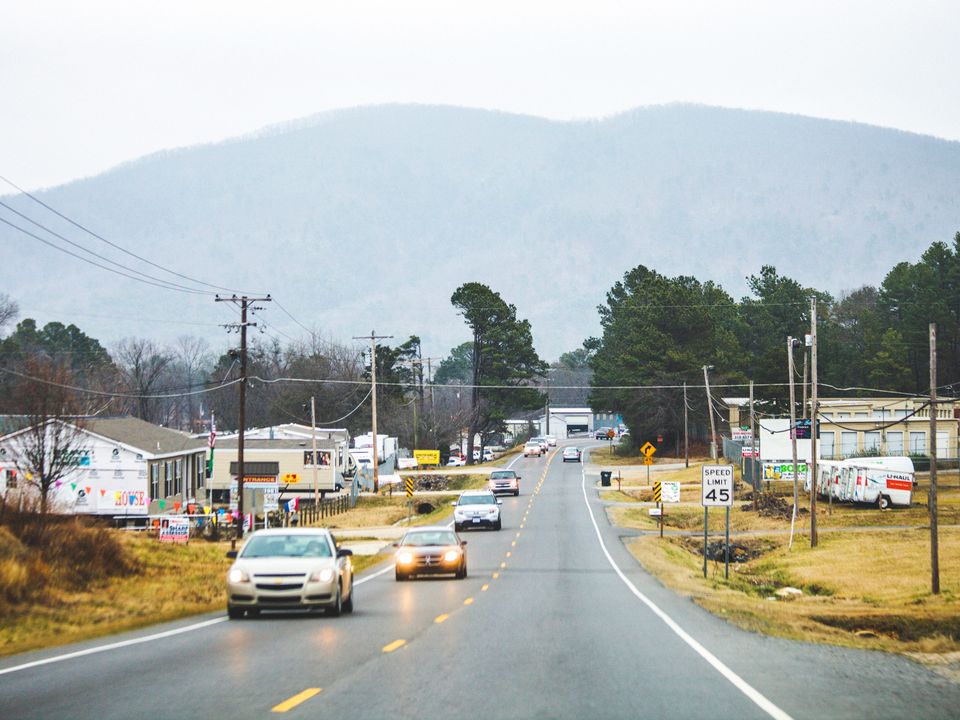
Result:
<point x="880" y="481"/>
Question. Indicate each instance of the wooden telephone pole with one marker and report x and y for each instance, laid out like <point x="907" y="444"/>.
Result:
<point x="245" y="304"/>
<point x="373" y="337"/>
<point x="932" y="497"/>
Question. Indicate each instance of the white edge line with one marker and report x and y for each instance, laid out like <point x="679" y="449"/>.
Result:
<point x="738" y="682"/>
<point x="114" y="646"/>
<point x="150" y="638"/>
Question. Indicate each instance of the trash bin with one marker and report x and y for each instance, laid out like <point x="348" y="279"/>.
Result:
<point x="605" y="477"/>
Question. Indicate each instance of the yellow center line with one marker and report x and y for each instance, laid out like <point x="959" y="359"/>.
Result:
<point x="513" y="544"/>
<point x="518" y="534"/>
<point x="502" y="565"/>
<point x="496" y="575"/>
<point x="483" y="588"/>
<point x="521" y="525"/>
<point x="508" y="553"/>
<point x="468" y="601"/>
<point x="440" y="618"/>
<point x="396" y="644"/>
<point x="296" y="700"/>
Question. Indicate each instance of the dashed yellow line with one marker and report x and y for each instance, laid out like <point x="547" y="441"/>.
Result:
<point x="440" y="618"/>
<point x="502" y="565"/>
<point x="508" y="553"/>
<point x="496" y="575"/>
<point x="296" y="700"/>
<point x="483" y="588"/>
<point x="518" y="534"/>
<point x="395" y="645"/>
<point x="513" y="544"/>
<point x="468" y="601"/>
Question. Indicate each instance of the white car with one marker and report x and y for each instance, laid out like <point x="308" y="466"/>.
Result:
<point x="532" y="448"/>
<point x="571" y="454"/>
<point x="476" y="508"/>
<point x="456" y="461"/>
<point x="551" y="440"/>
<point x="284" y="568"/>
<point x="543" y="443"/>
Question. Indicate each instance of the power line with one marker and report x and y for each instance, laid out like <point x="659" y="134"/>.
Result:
<point x="162" y="284"/>
<point x="110" y="243"/>
<point x="104" y="393"/>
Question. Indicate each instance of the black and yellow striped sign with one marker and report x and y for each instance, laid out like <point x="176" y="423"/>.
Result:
<point x="409" y="484"/>
<point x="657" y="495"/>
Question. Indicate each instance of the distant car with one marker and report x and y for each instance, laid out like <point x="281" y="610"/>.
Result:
<point x="504" y="481"/>
<point x="284" y="568"/>
<point x="487" y="455"/>
<point x="430" y="550"/>
<point x="604" y="433"/>
<point x="456" y="461"/>
<point x="476" y="508"/>
<point x="531" y="448"/>
<point x="571" y="454"/>
<point x="543" y="443"/>
<point x="551" y="440"/>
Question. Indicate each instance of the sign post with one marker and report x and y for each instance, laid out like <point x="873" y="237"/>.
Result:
<point x="658" y="499"/>
<point x="716" y="490"/>
<point x="408" y="482"/>
<point x="647" y="451"/>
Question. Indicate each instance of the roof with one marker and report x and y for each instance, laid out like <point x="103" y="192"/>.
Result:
<point x="284" y="444"/>
<point x="151" y="439"/>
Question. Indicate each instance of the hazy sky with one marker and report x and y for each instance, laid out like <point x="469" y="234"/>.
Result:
<point x="88" y="85"/>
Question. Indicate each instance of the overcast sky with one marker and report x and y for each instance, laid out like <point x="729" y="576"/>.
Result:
<point x="88" y="85"/>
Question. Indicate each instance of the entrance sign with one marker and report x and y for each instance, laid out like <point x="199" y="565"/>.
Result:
<point x="716" y="485"/>
<point x="427" y="457"/>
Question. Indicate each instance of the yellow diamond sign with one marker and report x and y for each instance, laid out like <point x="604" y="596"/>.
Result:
<point x="648" y="449"/>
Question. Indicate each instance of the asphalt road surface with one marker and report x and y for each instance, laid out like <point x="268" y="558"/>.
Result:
<point x="556" y="620"/>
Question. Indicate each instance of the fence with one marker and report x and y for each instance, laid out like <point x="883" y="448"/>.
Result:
<point x="311" y="513"/>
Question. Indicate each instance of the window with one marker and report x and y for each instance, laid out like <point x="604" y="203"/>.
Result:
<point x="943" y="445"/>
<point x="200" y="472"/>
<point x="899" y="413"/>
<point x="178" y="476"/>
<point x="894" y="443"/>
<point x="827" y="442"/>
<point x="167" y="478"/>
<point x="848" y="443"/>
<point x="154" y="480"/>
<point x="860" y="415"/>
<point x="871" y="441"/>
<point x="918" y="443"/>
<point x="826" y="416"/>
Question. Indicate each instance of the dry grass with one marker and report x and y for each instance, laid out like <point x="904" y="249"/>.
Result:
<point x="863" y="589"/>
<point x="381" y="511"/>
<point x="171" y="581"/>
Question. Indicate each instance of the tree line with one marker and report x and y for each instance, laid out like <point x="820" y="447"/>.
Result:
<point x="662" y="331"/>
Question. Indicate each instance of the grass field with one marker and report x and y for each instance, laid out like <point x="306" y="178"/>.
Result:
<point x="869" y="589"/>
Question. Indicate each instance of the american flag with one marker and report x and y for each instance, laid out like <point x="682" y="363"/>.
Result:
<point x="211" y="441"/>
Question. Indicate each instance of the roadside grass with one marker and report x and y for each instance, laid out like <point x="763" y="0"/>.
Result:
<point x="867" y="590"/>
<point x="171" y="582"/>
<point x="383" y="510"/>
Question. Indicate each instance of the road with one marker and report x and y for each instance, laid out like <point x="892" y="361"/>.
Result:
<point x="556" y="620"/>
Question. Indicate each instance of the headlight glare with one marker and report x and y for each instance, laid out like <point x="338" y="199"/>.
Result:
<point x="451" y="556"/>
<point x="325" y="575"/>
<point x="236" y="575"/>
<point x="405" y="558"/>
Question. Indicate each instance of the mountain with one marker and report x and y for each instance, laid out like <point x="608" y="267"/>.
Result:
<point x="369" y="218"/>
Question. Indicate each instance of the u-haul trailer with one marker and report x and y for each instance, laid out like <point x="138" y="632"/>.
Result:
<point x="880" y="481"/>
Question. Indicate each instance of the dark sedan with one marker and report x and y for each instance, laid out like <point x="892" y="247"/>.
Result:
<point x="431" y="550"/>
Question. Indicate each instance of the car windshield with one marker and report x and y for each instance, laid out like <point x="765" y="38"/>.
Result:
<point x="477" y="500"/>
<point x="502" y="474"/>
<point x="433" y="537"/>
<point x="263" y="546"/>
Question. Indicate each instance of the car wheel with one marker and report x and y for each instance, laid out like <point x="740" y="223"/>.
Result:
<point x="337" y="607"/>
<point x="883" y="502"/>
<point x="516" y="494"/>
<point x="234" y="613"/>
<point x="400" y="576"/>
<point x="348" y="603"/>
<point x="458" y="527"/>
<point x="498" y="525"/>
<point x="462" y="572"/>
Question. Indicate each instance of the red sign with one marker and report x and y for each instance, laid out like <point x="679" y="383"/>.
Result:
<point x="899" y="484"/>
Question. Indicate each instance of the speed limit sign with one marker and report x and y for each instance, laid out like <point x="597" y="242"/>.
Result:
<point x="716" y="485"/>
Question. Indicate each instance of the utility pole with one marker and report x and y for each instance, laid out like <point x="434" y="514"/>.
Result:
<point x="546" y="414"/>
<point x="793" y="433"/>
<point x="713" y="429"/>
<point x="754" y="455"/>
<point x="244" y="303"/>
<point x="932" y="497"/>
<point x="686" y="445"/>
<point x="373" y="337"/>
<point x="803" y="406"/>
<point x="313" y="423"/>
<point x="813" y="421"/>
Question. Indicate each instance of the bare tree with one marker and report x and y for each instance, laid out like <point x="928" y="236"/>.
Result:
<point x="191" y="367"/>
<point x="143" y="368"/>
<point x="51" y="445"/>
<point x="8" y="310"/>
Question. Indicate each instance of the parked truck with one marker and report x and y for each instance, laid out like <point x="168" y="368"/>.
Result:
<point x="880" y="481"/>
